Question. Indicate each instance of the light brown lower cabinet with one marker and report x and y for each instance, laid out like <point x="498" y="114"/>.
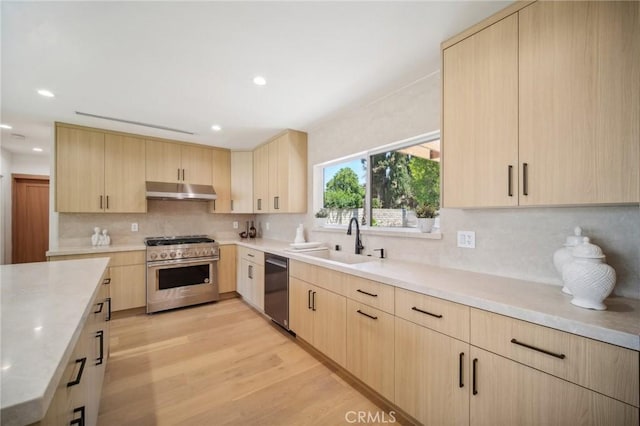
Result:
<point x="431" y="375"/>
<point x="370" y="349"/>
<point x="505" y="392"/>
<point x="227" y="269"/>
<point x="319" y="317"/>
<point x="77" y="397"/>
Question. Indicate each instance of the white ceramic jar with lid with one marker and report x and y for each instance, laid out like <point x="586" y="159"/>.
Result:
<point x="589" y="279"/>
<point x="563" y="255"/>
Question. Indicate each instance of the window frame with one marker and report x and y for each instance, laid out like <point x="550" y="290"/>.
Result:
<point x="318" y="186"/>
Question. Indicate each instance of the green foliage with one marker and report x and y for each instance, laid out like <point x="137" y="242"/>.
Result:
<point x="390" y="179"/>
<point x="322" y="213"/>
<point x="425" y="181"/>
<point x="344" y="191"/>
<point x="425" y="211"/>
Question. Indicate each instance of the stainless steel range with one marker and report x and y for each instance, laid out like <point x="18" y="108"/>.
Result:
<point x="181" y="271"/>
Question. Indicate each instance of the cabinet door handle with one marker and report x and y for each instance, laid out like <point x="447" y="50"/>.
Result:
<point x="231" y="205"/>
<point x="106" y="281"/>
<point x="101" y="202"/>
<point x="80" y="421"/>
<point x="474" y="383"/>
<point x="108" y="300"/>
<point x="309" y="299"/>
<point x="101" y="304"/>
<point x="510" y="180"/>
<point x="544" y="351"/>
<point x="313" y="301"/>
<point x="259" y="203"/>
<point x="250" y="255"/>
<point x="178" y="174"/>
<point x="525" y="179"/>
<point x="426" y="312"/>
<point x="76" y="381"/>
<point x="100" y="336"/>
<point x="461" y="370"/>
<point x="250" y="272"/>
<point x="183" y="175"/>
<point x="214" y="205"/>
<point x="276" y="203"/>
<point x="367" y="293"/>
<point x="367" y="315"/>
<point x="107" y="202"/>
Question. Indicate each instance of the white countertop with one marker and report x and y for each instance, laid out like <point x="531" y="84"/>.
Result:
<point x="63" y="251"/>
<point x="43" y="308"/>
<point x="542" y="304"/>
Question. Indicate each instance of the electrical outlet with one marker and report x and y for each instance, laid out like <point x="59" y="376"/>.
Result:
<point x="467" y="239"/>
<point x="134" y="227"/>
<point x="235" y="224"/>
<point x="266" y="225"/>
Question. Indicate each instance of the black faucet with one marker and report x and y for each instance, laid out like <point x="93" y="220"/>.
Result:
<point x="359" y="245"/>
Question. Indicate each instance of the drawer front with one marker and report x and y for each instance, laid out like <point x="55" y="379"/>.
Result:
<point x="605" y="368"/>
<point x="371" y="293"/>
<point x="118" y="258"/>
<point x="440" y="315"/>
<point x="252" y="255"/>
<point x="322" y="277"/>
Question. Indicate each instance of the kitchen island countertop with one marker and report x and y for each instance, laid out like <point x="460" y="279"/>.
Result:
<point x="43" y="307"/>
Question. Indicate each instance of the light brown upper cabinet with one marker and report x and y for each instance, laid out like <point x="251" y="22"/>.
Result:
<point x="242" y="182"/>
<point x="541" y="107"/>
<point x="221" y="160"/>
<point x="99" y="172"/>
<point x="173" y="162"/>
<point x="280" y="174"/>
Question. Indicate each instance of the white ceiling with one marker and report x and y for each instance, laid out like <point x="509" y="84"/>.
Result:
<point x="188" y="65"/>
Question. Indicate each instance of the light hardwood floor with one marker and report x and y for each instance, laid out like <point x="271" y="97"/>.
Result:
<point x="220" y="364"/>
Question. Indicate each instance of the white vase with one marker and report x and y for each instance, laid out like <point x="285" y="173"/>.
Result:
<point x="425" y="224"/>
<point x="563" y="255"/>
<point x="320" y="222"/>
<point x="589" y="279"/>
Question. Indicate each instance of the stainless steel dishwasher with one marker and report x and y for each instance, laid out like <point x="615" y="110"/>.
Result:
<point x="276" y="288"/>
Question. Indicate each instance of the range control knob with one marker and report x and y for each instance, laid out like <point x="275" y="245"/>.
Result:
<point x="163" y="255"/>
<point x="172" y="254"/>
<point x="186" y="253"/>
<point x="205" y="252"/>
<point x="154" y="255"/>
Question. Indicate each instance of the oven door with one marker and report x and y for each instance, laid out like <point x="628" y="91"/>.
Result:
<point x="176" y="283"/>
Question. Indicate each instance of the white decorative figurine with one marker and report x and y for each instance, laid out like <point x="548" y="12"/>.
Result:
<point x="588" y="277"/>
<point x="563" y="255"/>
<point x="299" y="234"/>
<point x="95" y="238"/>
<point x="104" y="239"/>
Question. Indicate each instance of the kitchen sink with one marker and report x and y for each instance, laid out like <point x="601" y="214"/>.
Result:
<point x="340" y="256"/>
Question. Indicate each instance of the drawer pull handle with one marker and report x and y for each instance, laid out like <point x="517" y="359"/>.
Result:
<point x="367" y="315"/>
<point x="108" y="318"/>
<point x="309" y="299"/>
<point x="553" y="354"/>
<point x="510" y="181"/>
<point x="461" y="381"/>
<point x="425" y="312"/>
<point x="100" y="336"/>
<point x="250" y="255"/>
<point x="367" y="293"/>
<point x="101" y="304"/>
<point x="313" y="301"/>
<point x="106" y="281"/>
<point x="82" y="362"/>
<point x="525" y="179"/>
<point x="475" y="369"/>
<point x="80" y="421"/>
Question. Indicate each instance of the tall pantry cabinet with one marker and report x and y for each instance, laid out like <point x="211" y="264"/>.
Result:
<point x="542" y="107"/>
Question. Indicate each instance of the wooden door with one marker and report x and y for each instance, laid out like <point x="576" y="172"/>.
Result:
<point x="243" y="279"/>
<point x="301" y="315"/>
<point x="330" y="325"/>
<point x="261" y="179"/>
<point x="30" y="218"/>
<point x="241" y="182"/>
<point x="227" y="269"/>
<point x="124" y="169"/>
<point x="480" y="118"/>
<point x="221" y="177"/>
<point x="196" y="165"/>
<point x="79" y="170"/>
<point x="275" y="152"/>
<point x="431" y="375"/>
<point x="509" y="393"/>
<point x="163" y="162"/>
<point x="580" y="102"/>
<point x="370" y="347"/>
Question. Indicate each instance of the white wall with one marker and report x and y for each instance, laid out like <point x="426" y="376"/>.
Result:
<point x="516" y="242"/>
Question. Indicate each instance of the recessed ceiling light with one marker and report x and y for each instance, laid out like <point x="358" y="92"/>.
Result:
<point x="37" y="149"/>
<point x="5" y="126"/>
<point x="216" y="128"/>
<point x="46" y="93"/>
<point x="259" y="80"/>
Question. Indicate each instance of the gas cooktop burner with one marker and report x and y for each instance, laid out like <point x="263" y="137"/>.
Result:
<point x="171" y="241"/>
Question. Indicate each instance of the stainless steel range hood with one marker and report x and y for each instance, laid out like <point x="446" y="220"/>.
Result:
<point x="180" y="191"/>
